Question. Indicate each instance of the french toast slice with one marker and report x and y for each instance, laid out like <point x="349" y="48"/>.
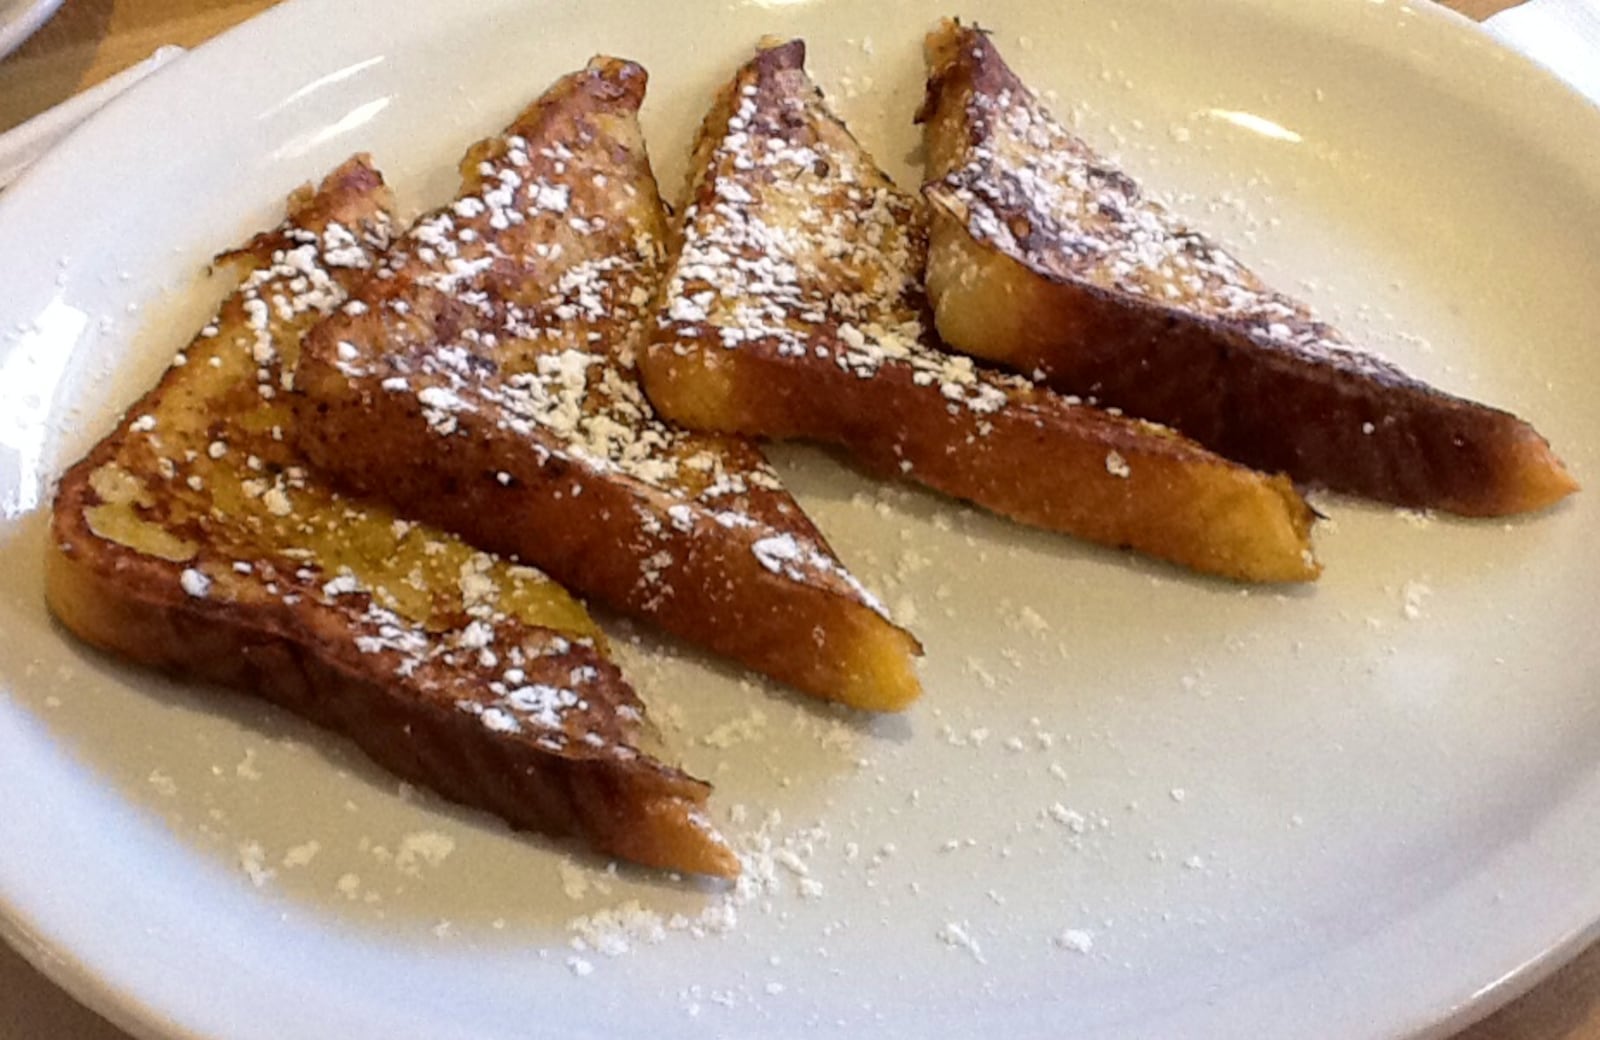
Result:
<point x="497" y="341"/>
<point x="795" y="309"/>
<point x="195" y="539"/>
<point x="1049" y="259"/>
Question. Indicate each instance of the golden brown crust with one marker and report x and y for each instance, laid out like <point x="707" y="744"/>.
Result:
<point x="1067" y="273"/>
<point x="132" y="606"/>
<point x="1038" y="461"/>
<point x="191" y="539"/>
<point x="511" y="370"/>
<point x="808" y="261"/>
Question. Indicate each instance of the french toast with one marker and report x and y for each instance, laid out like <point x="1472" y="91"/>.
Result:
<point x="1049" y="259"/>
<point x="497" y="340"/>
<point x="794" y="309"/>
<point x="195" y="539"/>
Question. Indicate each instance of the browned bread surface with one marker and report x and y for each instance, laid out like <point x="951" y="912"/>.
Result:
<point x="794" y="308"/>
<point x="1048" y="258"/>
<point x="194" y="539"/>
<point x="497" y="342"/>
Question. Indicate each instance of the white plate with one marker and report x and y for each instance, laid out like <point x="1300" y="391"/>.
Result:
<point x="20" y="19"/>
<point x="1309" y="814"/>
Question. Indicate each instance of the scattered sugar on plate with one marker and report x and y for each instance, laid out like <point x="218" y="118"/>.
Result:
<point x="574" y="880"/>
<point x="252" y="860"/>
<point x="1077" y="940"/>
<point x="748" y="728"/>
<point x="617" y="930"/>
<point x="301" y="855"/>
<point x="955" y="935"/>
<point x="246" y="769"/>
<point x="423" y="848"/>
<point x="1413" y="595"/>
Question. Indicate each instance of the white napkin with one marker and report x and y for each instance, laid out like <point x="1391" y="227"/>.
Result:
<point x="1561" y="35"/>
<point x="21" y="146"/>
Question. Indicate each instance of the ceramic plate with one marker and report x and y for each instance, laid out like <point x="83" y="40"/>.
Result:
<point x="1133" y="803"/>
<point x="20" y="19"/>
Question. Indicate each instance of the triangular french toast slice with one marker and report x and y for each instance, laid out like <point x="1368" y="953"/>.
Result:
<point x="795" y="308"/>
<point x="1049" y="259"/>
<point x="497" y="343"/>
<point x="195" y="539"/>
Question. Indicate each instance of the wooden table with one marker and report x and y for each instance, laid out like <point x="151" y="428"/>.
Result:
<point x="89" y="40"/>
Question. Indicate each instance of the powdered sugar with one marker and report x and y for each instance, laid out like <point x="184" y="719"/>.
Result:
<point x="195" y="583"/>
<point x="772" y="862"/>
<point x="400" y="605"/>
<point x="545" y="267"/>
<point x="1037" y="193"/>
<point x="778" y="197"/>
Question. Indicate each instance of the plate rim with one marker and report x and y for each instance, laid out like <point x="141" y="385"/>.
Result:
<point x="19" y="30"/>
<point x="1531" y="94"/>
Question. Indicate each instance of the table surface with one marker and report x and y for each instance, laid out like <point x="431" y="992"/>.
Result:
<point x="89" y="40"/>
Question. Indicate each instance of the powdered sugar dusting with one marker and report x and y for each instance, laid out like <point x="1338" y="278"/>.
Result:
<point x="248" y="523"/>
<point x="778" y="196"/>
<point x="1039" y="194"/>
<point x="772" y="863"/>
<point x="801" y="266"/>
<point x="517" y="310"/>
